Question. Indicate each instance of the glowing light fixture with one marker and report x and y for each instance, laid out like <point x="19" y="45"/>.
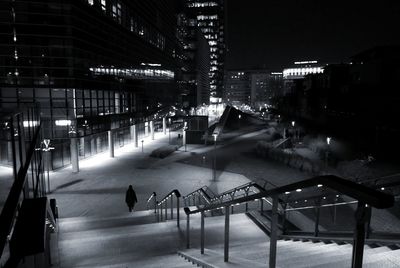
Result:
<point x="63" y="122"/>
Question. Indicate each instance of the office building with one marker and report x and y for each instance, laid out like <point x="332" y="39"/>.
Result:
<point x="210" y="18"/>
<point x="91" y="65"/>
<point x="252" y="87"/>
<point x="195" y="83"/>
<point x="298" y="71"/>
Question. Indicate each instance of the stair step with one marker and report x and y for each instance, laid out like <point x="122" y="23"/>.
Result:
<point x="93" y="223"/>
<point x="211" y="259"/>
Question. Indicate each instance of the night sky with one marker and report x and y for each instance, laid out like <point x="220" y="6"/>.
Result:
<point x="275" y="33"/>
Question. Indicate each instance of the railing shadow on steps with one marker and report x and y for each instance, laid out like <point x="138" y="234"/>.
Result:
<point x="161" y="207"/>
<point x="365" y="197"/>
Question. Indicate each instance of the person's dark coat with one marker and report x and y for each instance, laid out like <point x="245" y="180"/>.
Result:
<point x="130" y="197"/>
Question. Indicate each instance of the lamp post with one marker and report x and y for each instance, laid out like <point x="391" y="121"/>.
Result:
<point x="294" y="130"/>
<point x="215" y="157"/>
<point x="184" y="134"/>
<point x="47" y="150"/>
<point x="328" y="142"/>
<point x="169" y="130"/>
<point x="142" y="145"/>
<point x="239" y="116"/>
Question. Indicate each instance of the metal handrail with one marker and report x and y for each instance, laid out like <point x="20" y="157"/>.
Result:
<point x="152" y="196"/>
<point x="199" y="192"/>
<point x="243" y="186"/>
<point x="166" y="197"/>
<point x="359" y="192"/>
<point x="163" y="202"/>
<point x="365" y="196"/>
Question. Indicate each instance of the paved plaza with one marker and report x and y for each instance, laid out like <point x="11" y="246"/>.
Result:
<point x="99" y="188"/>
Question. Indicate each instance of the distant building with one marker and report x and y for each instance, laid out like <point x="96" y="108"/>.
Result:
<point x="298" y="71"/>
<point x="195" y="83"/>
<point x="237" y="87"/>
<point x="254" y="87"/>
<point x="276" y="85"/>
<point x="358" y="100"/>
<point x="210" y="18"/>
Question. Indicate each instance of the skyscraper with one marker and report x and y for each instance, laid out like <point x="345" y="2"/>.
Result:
<point x="210" y="16"/>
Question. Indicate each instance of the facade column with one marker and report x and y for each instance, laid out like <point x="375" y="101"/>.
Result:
<point x="152" y="129"/>
<point x="135" y="135"/>
<point x="146" y="129"/>
<point x="82" y="146"/>
<point x="93" y="145"/>
<point x="74" y="155"/>
<point x="132" y="133"/>
<point x="164" y="125"/>
<point x="111" y="143"/>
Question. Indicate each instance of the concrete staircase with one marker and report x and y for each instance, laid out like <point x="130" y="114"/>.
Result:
<point x="253" y="252"/>
<point x="129" y="240"/>
<point x="294" y="254"/>
<point x="138" y="240"/>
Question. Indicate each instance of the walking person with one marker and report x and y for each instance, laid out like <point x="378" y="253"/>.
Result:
<point x="130" y="198"/>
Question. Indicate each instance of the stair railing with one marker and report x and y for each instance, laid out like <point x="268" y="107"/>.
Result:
<point x="195" y="198"/>
<point x="162" y="207"/>
<point x="238" y="192"/>
<point x="366" y="198"/>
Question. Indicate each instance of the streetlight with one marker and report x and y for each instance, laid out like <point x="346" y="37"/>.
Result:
<point x="184" y="134"/>
<point x="215" y="157"/>
<point x="239" y="116"/>
<point x="169" y="130"/>
<point x="328" y="142"/>
<point x="142" y="145"/>
<point x="294" y="130"/>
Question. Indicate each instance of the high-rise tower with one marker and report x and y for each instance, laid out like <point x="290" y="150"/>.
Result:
<point x="210" y="18"/>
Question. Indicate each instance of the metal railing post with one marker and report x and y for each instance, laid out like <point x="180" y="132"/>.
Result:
<point x="161" y="213"/>
<point x="317" y="216"/>
<point x="172" y="208"/>
<point x="226" y="240"/>
<point x="247" y="203"/>
<point x="155" y="203"/>
<point x="361" y="216"/>
<point x="284" y="219"/>
<point x="274" y="232"/>
<point x="232" y="197"/>
<point x="202" y="234"/>
<point x="369" y="215"/>
<point x="177" y="212"/>
<point x="158" y="213"/>
<point x="187" y="231"/>
<point x="166" y="209"/>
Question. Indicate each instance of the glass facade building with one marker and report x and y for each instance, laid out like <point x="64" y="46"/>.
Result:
<point x="90" y="65"/>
